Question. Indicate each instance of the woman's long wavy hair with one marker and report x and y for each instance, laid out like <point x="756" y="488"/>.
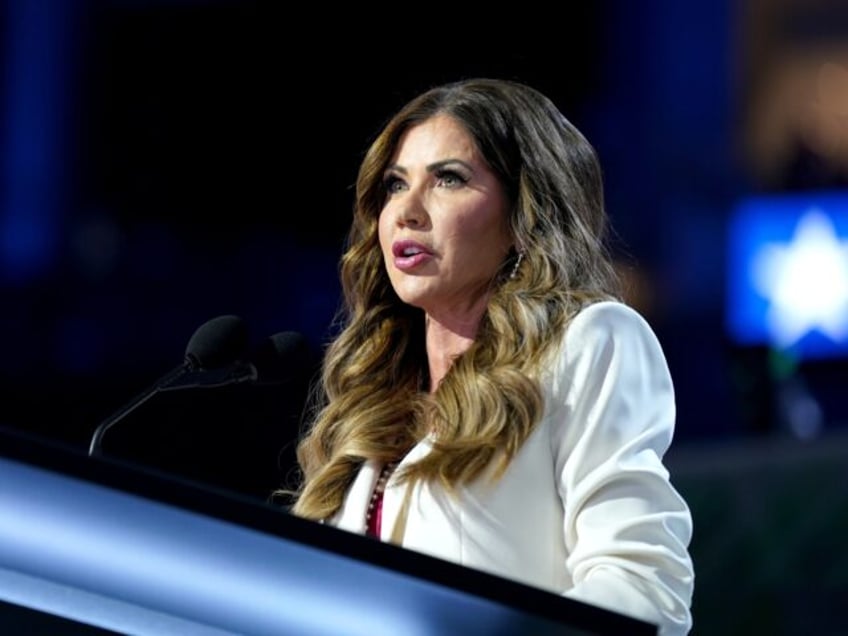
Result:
<point x="370" y="404"/>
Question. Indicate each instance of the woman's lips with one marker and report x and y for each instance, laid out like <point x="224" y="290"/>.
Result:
<point x="408" y="263"/>
<point x="410" y="254"/>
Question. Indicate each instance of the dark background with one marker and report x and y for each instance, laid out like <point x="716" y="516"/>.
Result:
<point x="164" y="162"/>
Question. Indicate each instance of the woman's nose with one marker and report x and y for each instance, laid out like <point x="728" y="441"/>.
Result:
<point x="413" y="211"/>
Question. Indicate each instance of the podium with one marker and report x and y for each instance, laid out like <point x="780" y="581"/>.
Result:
<point x="94" y="546"/>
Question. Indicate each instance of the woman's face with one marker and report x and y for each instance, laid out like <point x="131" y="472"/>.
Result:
<point x="443" y="229"/>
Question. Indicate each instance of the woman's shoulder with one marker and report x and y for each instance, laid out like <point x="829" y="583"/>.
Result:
<point x="605" y="319"/>
<point x="603" y="333"/>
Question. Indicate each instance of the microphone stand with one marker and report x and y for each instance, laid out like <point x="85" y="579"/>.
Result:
<point x="180" y="378"/>
<point x="97" y="438"/>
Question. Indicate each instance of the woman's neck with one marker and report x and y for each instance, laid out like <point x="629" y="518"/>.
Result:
<point x="445" y="340"/>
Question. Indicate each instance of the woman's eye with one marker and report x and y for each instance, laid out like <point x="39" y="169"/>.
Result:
<point x="392" y="184"/>
<point x="451" y="179"/>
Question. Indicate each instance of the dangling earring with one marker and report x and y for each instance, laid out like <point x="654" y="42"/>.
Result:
<point x="518" y="260"/>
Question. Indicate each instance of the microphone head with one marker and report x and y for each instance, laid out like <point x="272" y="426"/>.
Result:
<point x="281" y="357"/>
<point x="217" y="342"/>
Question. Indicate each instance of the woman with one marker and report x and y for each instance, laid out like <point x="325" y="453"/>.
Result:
<point x="489" y="400"/>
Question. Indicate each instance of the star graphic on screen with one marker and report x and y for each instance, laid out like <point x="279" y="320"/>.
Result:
<point x="805" y="281"/>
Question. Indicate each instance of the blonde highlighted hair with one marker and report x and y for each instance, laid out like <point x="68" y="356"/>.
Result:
<point x="370" y="403"/>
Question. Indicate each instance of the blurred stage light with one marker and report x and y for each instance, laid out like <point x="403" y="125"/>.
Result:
<point x="787" y="273"/>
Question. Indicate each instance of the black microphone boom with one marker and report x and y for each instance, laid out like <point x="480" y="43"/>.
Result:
<point x="216" y="344"/>
<point x="276" y="360"/>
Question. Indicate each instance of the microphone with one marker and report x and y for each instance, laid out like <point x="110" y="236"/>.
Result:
<point x="281" y="357"/>
<point x="215" y="344"/>
<point x="276" y="360"/>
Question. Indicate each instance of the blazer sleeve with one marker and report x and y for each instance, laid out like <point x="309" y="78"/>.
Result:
<point x="626" y="528"/>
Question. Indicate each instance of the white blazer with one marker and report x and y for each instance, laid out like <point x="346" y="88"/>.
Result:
<point x="586" y="507"/>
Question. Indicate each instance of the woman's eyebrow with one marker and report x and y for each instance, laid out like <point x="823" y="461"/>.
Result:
<point x="432" y="167"/>
<point x="437" y="165"/>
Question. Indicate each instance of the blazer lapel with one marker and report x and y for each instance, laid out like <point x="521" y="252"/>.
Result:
<point x="352" y="515"/>
<point x="397" y="498"/>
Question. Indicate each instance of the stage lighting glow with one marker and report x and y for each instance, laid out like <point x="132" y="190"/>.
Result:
<point x="806" y="281"/>
<point x="788" y="274"/>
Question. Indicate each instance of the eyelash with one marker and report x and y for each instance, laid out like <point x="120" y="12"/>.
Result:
<point x="441" y="175"/>
<point x="445" y="173"/>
